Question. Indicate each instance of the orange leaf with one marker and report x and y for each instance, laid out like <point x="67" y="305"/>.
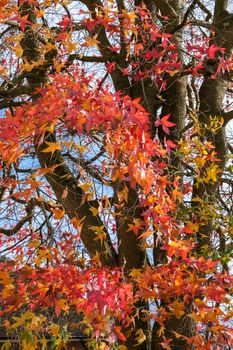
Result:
<point x="58" y="213"/>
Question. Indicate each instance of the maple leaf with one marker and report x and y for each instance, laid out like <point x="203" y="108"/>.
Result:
<point x="119" y="334"/>
<point x="18" y="50"/>
<point x="91" y="42"/>
<point x="145" y="196"/>
<point x="212" y="173"/>
<point x="53" y="147"/>
<point x="135" y="227"/>
<point x="165" y="123"/>
<point x="58" y="65"/>
<point x="213" y="49"/>
<point x="85" y="186"/>
<point x="123" y="195"/>
<point x="65" y="22"/>
<point x="23" y="21"/>
<point x="110" y="67"/>
<point x="90" y="23"/>
<point x="140" y="337"/>
<point x="94" y="210"/>
<point x="177" y="309"/>
<point x="146" y="234"/>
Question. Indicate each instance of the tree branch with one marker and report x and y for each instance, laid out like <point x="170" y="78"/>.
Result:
<point x="166" y="8"/>
<point x="220" y="6"/>
<point x="187" y="13"/>
<point x="121" y="8"/>
<point x="227" y="116"/>
<point x="205" y="9"/>
<point x="29" y="210"/>
<point x="62" y="179"/>
<point x="91" y="59"/>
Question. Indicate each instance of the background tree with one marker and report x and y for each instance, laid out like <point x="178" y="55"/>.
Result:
<point x="116" y="187"/>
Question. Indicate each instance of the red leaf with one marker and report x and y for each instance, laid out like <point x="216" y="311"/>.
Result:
<point x="213" y="49"/>
<point x="23" y="21"/>
<point x="65" y="22"/>
<point x="89" y="23"/>
<point x="165" y="123"/>
<point x="110" y="67"/>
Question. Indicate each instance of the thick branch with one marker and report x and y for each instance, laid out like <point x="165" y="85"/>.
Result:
<point x="121" y="8"/>
<point x="220" y="6"/>
<point x="186" y="15"/>
<point x="62" y="179"/>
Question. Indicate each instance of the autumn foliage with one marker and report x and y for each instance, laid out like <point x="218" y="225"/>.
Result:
<point x="116" y="175"/>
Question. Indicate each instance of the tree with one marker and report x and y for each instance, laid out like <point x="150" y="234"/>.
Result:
<point x="116" y="189"/>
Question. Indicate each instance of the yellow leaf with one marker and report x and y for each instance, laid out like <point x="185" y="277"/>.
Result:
<point x="122" y="347"/>
<point x="91" y="41"/>
<point x="94" y="211"/>
<point x="177" y="309"/>
<point x="135" y="273"/>
<point x="161" y="331"/>
<point x="43" y="343"/>
<point x="123" y="195"/>
<point x="39" y="13"/>
<point x="58" y="66"/>
<point x="130" y="15"/>
<point x="140" y="337"/>
<point x="52" y="147"/>
<point x="71" y="47"/>
<point x="85" y="186"/>
<point x="18" y="50"/>
<point x="99" y="231"/>
<point x="43" y="171"/>
<point x="68" y="144"/>
<point x="54" y="329"/>
<point x="49" y="47"/>
<point x="172" y="72"/>
<point x="177" y="335"/>
<point x="6" y="345"/>
<point x="212" y="172"/>
<point x="200" y="161"/>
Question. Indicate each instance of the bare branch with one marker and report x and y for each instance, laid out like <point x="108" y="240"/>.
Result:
<point x="187" y="13"/>
<point x="205" y="9"/>
<point x="29" y="210"/>
<point x="91" y="59"/>
<point x="87" y="167"/>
